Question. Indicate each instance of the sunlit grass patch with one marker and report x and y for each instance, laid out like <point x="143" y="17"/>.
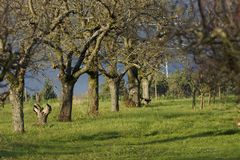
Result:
<point x="166" y="129"/>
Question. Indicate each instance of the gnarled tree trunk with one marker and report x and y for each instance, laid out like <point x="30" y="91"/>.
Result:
<point x="67" y="99"/>
<point x="93" y="95"/>
<point x="134" y="87"/>
<point x="42" y="114"/>
<point x="145" y="90"/>
<point x="114" y="92"/>
<point x="16" y="99"/>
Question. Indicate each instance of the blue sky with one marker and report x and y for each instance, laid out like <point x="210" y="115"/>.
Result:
<point x="34" y="83"/>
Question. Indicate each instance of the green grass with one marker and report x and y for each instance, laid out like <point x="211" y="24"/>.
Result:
<point x="166" y="129"/>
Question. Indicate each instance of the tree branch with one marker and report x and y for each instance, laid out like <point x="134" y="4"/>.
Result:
<point x="30" y="6"/>
<point x="93" y="54"/>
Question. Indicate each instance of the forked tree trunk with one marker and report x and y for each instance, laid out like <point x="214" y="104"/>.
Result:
<point x="93" y="95"/>
<point x="67" y="99"/>
<point x="16" y="99"/>
<point x="145" y="90"/>
<point x="134" y="87"/>
<point x="42" y="114"/>
<point x="114" y="92"/>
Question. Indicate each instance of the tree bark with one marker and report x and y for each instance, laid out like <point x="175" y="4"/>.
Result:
<point x="38" y="98"/>
<point x="25" y="95"/>
<point x="209" y="97"/>
<point x="42" y="113"/>
<point x="134" y="87"/>
<point x="114" y="92"/>
<point x="238" y="94"/>
<point x="214" y="96"/>
<point x="219" y="92"/>
<point x="202" y="101"/>
<point x="145" y="90"/>
<point x="16" y="99"/>
<point x="194" y="99"/>
<point x="155" y="90"/>
<point x="93" y="95"/>
<point x="67" y="99"/>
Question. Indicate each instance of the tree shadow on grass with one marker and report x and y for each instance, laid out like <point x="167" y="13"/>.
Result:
<point x="57" y="149"/>
<point x="156" y="105"/>
<point x="169" y="103"/>
<point x="100" y="136"/>
<point x="21" y="149"/>
<point x="199" y="135"/>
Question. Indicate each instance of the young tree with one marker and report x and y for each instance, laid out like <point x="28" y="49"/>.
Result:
<point x="214" y="27"/>
<point x="48" y="91"/>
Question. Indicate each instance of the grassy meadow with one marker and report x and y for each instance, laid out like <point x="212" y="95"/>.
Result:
<point x="165" y="129"/>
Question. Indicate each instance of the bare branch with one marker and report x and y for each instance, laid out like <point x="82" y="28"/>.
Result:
<point x="30" y="5"/>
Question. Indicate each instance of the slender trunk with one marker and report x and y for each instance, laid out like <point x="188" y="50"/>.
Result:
<point x="93" y="95"/>
<point x="38" y="98"/>
<point x="214" y="96"/>
<point x="155" y="90"/>
<point x="67" y="99"/>
<point x="202" y="101"/>
<point x="114" y="91"/>
<point x="194" y="99"/>
<point x="219" y="92"/>
<point x="134" y="87"/>
<point x="166" y="68"/>
<point x="238" y="95"/>
<point x="209" y="98"/>
<point x="17" y="99"/>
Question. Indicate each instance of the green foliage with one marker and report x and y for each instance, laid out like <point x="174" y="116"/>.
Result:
<point x="104" y="92"/>
<point x="162" y="87"/>
<point x="166" y="129"/>
<point x="48" y="91"/>
<point x="178" y="85"/>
